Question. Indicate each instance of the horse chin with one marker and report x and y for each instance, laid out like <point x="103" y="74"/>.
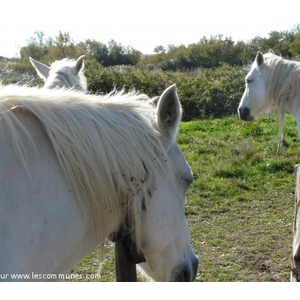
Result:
<point x="245" y="114"/>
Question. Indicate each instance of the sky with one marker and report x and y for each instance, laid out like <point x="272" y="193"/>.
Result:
<point x="143" y="25"/>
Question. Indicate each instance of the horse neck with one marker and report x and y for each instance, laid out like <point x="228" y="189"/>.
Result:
<point x="282" y="80"/>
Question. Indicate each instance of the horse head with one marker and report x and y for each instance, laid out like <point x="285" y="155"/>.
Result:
<point x="112" y="162"/>
<point x="165" y="237"/>
<point x="255" y="99"/>
<point x="62" y="74"/>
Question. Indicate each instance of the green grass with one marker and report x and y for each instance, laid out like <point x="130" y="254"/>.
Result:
<point x="240" y="208"/>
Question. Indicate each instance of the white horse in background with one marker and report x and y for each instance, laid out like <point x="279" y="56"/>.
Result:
<point x="76" y="168"/>
<point x="62" y="73"/>
<point x="272" y="82"/>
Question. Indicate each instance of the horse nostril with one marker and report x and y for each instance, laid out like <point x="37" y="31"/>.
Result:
<point x="189" y="274"/>
<point x="182" y="274"/>
<point x="297" y="258"/>
<point x="187" y="271"/>
<point x="244" y="114"/>
<point x="186" y="276"/>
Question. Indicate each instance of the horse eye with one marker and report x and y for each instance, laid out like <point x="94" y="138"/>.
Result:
<point x="247" y="80"/>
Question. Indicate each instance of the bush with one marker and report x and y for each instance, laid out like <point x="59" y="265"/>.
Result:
<point x="104" y="80"/>
<point x="210" y="92"/>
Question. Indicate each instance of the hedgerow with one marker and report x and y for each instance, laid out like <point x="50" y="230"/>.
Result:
<point x="203" y="93"/>
<point x="212" y="92"/>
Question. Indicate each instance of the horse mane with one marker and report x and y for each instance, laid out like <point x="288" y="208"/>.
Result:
<point x="65" y="66"/>
<point x="110" y="175"/>
<point x="282" y="80"/>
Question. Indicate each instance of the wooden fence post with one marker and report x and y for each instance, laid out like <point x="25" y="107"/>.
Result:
<point x="295" y="267"/>
<point x="125" y="267"/>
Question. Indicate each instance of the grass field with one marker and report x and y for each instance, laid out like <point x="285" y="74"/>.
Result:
<point x="241" y="207"/>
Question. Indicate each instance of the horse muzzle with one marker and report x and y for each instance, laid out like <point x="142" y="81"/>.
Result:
<point x="295" y="267"/>
<point x="244" y="114"/>
<point x="187" y="272"/>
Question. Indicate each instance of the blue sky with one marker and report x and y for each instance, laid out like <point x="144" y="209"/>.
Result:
<point x="143" y="25"/>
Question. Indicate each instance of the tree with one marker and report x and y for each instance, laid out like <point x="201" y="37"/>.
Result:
<point x="116" y="53"/>
<point x="63" y="42"/>
<point x="159" y="50"/>
<point x="36" y="47"/>
<point x="295" y="46"/>
<point x="131" y="56"/>
<point x="97" y="50"/>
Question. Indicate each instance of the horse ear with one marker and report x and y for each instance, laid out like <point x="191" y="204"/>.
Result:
<point x="168" y="112"/>
<point x="41" y="69"/>
<point x="259" y="59"/>
<point x="79" y="64"/>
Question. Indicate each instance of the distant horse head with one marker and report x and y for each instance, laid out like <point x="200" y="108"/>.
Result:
<point x="257" y="97"/>
<point x="64" y="73"/>
<point x="271" y="82"/>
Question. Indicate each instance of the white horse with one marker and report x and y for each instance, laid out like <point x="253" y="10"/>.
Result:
<point x="62" y="73"/>
<point x="272" y="81"/>
<point x="76" y="169"/>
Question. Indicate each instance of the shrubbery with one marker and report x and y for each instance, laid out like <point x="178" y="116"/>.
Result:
<point x="211" y="92"/>
<point x="208" y="92"/>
